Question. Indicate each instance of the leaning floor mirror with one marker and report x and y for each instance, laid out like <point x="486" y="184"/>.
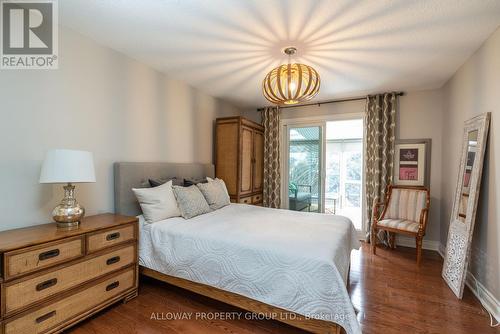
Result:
<point x="465" y="203"/>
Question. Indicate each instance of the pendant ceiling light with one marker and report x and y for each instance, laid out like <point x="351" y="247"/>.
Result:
<point x="291" y="83"/>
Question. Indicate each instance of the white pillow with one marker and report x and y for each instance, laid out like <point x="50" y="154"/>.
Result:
<point x="157" y="203"/>
<point x="220" y="182"/>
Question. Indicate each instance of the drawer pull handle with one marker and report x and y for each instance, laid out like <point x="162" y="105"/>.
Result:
<point x="113" y="236"/>
<point x="46" y="284"/>
<point x="48" y="254"/>
<point x="45" y="317"/>
<point x="112" y="286"/>
<point x="113" y="260"/>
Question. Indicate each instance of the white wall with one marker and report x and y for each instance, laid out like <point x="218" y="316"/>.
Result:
<point x="419" y="117"/>
<point x="473" y="90"/>
<point x="98" y="100"/>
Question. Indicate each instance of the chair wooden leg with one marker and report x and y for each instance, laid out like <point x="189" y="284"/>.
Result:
<point x="419" y="249"/>
<point x="392" y="240"/>
<point x="373" y="240"/>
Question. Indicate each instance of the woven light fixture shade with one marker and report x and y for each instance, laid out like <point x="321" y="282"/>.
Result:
<point x="291" y="84"/>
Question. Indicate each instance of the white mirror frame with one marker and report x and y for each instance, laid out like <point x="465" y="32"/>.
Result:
<point x="457" y="253"/>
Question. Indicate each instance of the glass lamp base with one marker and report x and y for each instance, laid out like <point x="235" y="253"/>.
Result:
<point x="68" y="225"/>
<point x="68" y="213"/>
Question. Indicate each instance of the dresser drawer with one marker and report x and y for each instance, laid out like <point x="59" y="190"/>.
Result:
<point x="24" y="292"/>
<point x="26" y="260"/>
<point x="107" y="238"/>
<point x="246" y="200"/>
<point x="58" y="313"/>
<point x="256" y="199"/>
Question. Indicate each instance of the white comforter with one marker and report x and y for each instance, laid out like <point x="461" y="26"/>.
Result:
<point x="292" y="260"/>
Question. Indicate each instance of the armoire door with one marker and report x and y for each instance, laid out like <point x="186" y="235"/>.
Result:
<point x="227" y="155"/>
<point x="258" y="167"/>
<point x="246" y="160"/>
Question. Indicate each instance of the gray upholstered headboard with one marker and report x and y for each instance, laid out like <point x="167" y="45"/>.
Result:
<point x="130" y="175"/>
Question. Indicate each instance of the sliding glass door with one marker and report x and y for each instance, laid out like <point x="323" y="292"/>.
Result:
<point x="323" y="167"/>
<point x="304" y="166"/>
<point x="344" y="169"/>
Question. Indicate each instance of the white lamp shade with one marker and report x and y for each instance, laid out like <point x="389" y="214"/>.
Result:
<point x="67" y="166"/>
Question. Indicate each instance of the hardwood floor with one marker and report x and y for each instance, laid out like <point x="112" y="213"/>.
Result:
<point x="389" y="292"/>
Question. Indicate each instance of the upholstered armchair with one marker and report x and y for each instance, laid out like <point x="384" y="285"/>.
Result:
<point x="405" y="210"/>
<point x="299" y="197"/>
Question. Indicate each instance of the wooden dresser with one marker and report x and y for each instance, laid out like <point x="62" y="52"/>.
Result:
<point x="239" y="158"/>
<point x="53" y="278"/>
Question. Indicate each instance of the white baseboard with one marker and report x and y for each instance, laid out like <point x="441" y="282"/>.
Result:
<point x="490" y="303"/>
<point x="410" y="242"/>
<point x="484" y="295"/>
<point x="441" y="250"/>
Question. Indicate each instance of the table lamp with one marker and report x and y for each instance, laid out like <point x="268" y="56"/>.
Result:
<point x="68" y="166"/>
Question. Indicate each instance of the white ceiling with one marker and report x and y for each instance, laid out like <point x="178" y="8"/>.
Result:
<point x="225" y="47"/>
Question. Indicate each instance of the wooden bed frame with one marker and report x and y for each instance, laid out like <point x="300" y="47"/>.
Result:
<point x="248" y="304"/>
<point x="130" y="175"/>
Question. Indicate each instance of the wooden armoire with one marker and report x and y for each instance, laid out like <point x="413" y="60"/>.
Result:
<point x="239" y="158"/>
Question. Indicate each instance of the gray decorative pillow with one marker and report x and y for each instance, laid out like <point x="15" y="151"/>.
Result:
<point x="190" y="201"/>
<point x="190" y="182"/>
<point x="215" y="193"/>
<point x="158" y="182"/>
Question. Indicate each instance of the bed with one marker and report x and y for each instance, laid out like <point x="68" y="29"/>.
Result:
<point x="291" y="266"/>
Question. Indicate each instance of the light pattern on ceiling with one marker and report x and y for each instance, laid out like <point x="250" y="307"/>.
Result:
<point x="225" y="47"/>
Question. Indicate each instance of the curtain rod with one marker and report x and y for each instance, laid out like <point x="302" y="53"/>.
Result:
<point x="359" y="98"/>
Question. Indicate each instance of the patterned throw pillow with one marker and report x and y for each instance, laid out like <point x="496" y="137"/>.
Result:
<point x="215" y="193"/>
<point x="190" y="201"/>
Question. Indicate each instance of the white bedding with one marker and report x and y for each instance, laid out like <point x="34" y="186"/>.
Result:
<point x="292" y="260"/>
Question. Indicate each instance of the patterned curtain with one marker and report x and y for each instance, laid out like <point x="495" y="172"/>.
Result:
<point x="272" y="179"/>
<point x="380" y="126"/>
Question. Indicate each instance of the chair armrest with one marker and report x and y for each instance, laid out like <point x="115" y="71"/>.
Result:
<point x="376" y="212"/>
<point x="424" y="216"/>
